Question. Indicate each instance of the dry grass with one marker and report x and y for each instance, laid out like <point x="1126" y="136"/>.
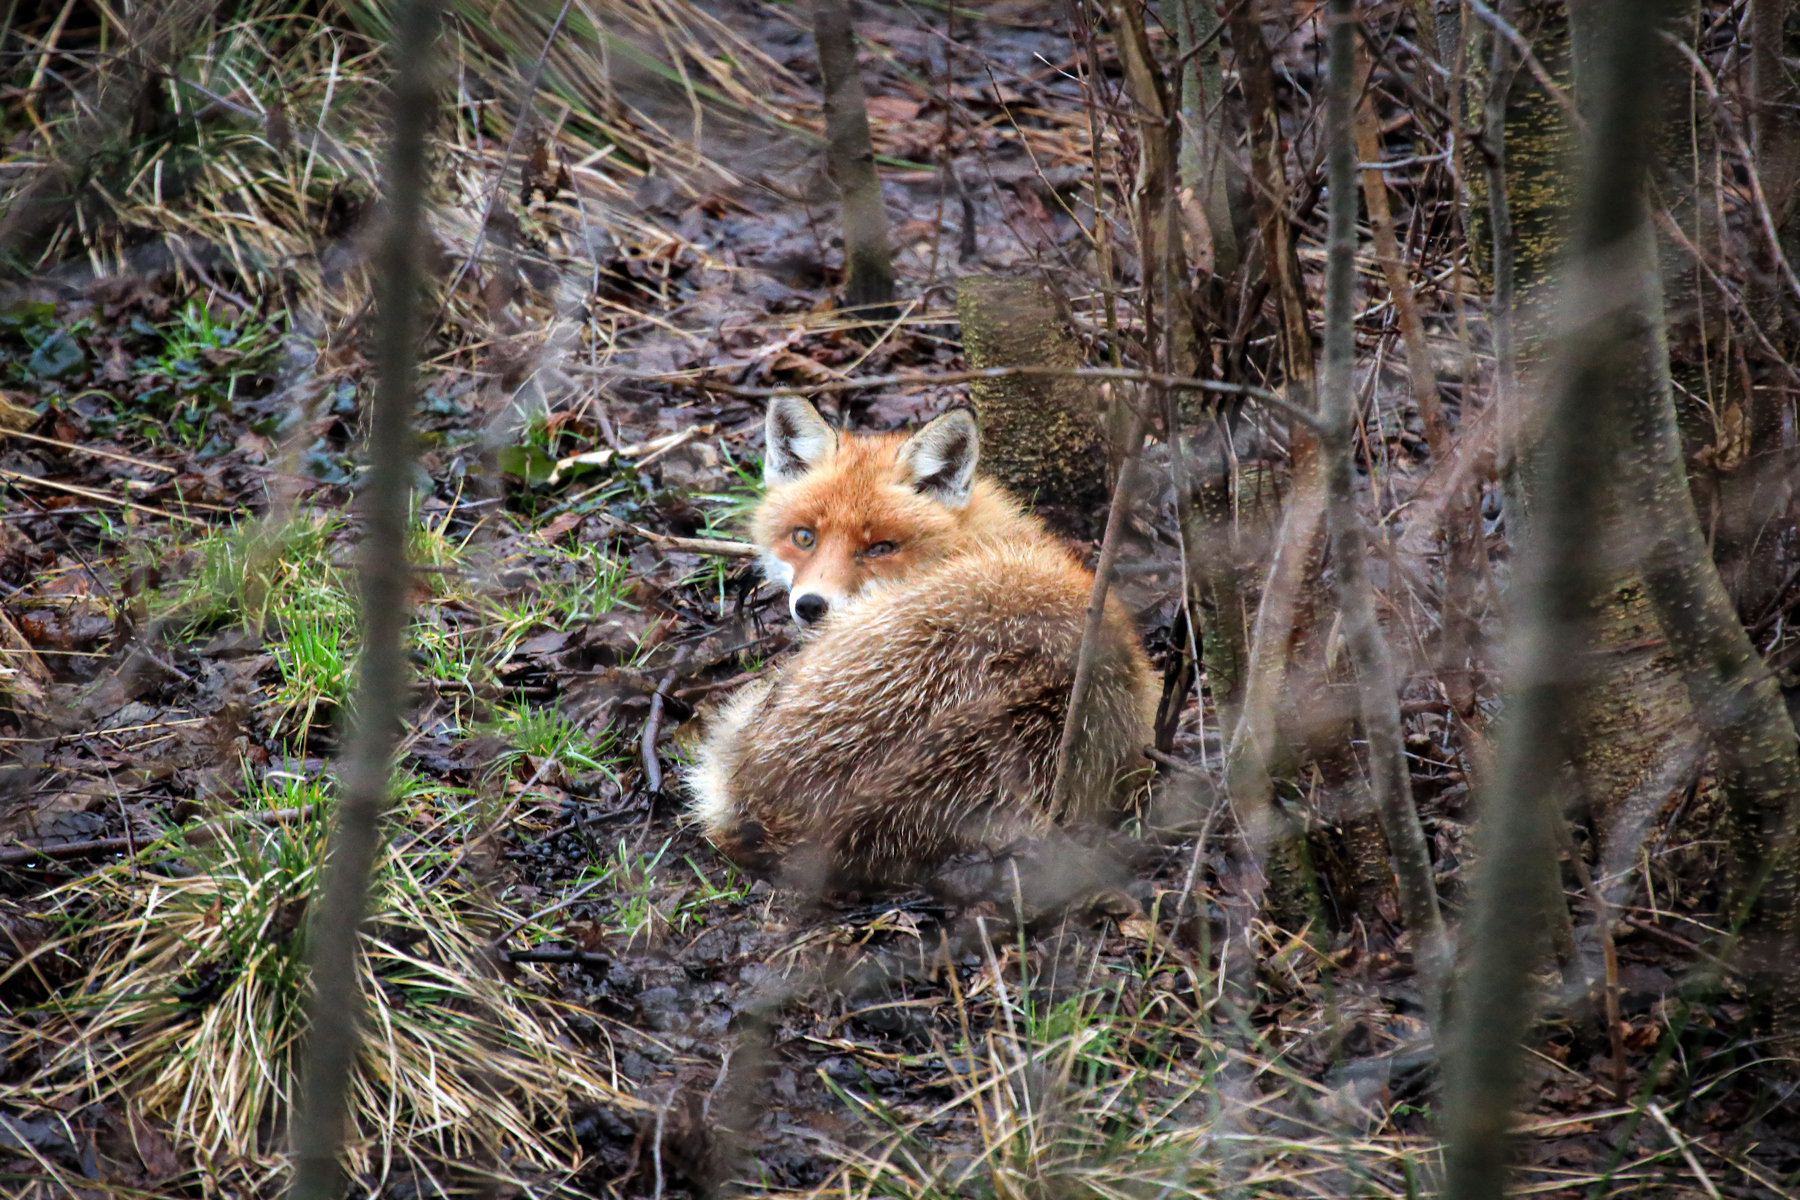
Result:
<point x="1089" y="1080"/>
<point x="188" y="1016"/>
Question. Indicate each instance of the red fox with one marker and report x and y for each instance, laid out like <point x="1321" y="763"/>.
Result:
<point x="922" y="716"/>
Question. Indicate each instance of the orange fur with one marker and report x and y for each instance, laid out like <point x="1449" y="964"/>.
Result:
<point x="921" y="719"/>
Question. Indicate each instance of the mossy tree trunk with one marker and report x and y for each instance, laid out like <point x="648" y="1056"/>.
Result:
<point x="1585" y="403"/>
<point x="1737" y="701"/>
<point x="1042" y="438"/>
<point x="1634" y="706"/>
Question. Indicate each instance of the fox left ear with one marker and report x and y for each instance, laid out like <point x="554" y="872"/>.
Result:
<point x="797" y="440"/>
<point x="941" y="457"/>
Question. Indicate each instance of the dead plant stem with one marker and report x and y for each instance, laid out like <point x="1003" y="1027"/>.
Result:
<point x="1096" y="610"/>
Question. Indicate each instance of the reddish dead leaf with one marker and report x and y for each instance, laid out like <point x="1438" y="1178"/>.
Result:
<point x="560" y="525"/>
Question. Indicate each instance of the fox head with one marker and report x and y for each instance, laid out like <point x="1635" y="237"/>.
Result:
<point x="844" y="512"/>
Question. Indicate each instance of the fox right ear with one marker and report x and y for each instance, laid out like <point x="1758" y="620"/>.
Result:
<point x="796" y="438"/>
<point x="941" y="457"/>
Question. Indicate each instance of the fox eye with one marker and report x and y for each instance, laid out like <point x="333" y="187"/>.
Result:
<point x="805" y="538"/>
<point x="880" y="550"/>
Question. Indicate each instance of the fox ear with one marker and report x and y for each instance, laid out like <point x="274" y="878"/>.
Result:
<point x="796" y="438"/>
<point x="941" y="457"/>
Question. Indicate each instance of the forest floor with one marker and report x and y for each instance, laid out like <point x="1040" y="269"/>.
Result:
<point x="569" y="990"/>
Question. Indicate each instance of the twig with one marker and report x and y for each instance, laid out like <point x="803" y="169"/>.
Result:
<point x="1609" y="952"/>
<point x="339" y="906"/>
<point x="90" y="450"/>
<point x="211" y="831"/>
<point x="541" y="913"/>
<point x="1096" y="610"/>
<point x="1172" y="763"/>
<point x="653" y="776"/>
<point x="1115" y="374"/>
<point x="585" y="958"/>
<point x="19" y="477"/>
<point x="716" y="685"/>
<point x="49" y="512"/>
<point x="1667" y="937"/>
<point x="720" y="546"/>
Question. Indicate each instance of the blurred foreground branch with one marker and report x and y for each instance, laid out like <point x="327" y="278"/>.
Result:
<point x="1576" y="458"/>
<point x="338" y="909"/>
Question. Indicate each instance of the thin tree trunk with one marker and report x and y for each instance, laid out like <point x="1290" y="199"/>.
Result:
<point x="1077" y="716"/>
<point x="1752" y="497"/>
<point x="850" y="158"/>
<point x="1205" y="158"/>
<point x="1271" y="194"/>
<point x="1584" y="409"/>
<point x="1290" y="592"/>
<point x="1738" y="702"/>
<point x="1775" y="97"/>
<point x="1389" y="778"/>
<point x="339" y="906"/>
<point x="1164" y="262"/>
<point x="1501" y="314"/>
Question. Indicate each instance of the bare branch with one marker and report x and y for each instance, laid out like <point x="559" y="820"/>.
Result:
<point x="1096" y="610"/>
<point x="1115" y="374"/>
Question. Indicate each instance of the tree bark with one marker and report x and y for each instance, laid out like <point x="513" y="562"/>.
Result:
<point x="850" y="158"/>
<point x="1041" y="438"/>
<point x="1584" y="408"/>
<point x="1633" y="705"/>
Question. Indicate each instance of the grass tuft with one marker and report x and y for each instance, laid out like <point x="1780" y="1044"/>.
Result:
<point x="192" y="1012"/>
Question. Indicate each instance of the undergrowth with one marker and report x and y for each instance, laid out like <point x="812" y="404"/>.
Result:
<point x="189" y="1010"/>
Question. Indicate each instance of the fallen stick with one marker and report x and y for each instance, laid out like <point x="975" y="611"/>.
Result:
<point x="719" y="546"/>
<point x="210" y="831"/>
<point x="20" y="478"/>
<point x="1115" y="374"/>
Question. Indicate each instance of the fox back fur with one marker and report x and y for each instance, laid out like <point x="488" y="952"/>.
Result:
<point x="922" y="717"/>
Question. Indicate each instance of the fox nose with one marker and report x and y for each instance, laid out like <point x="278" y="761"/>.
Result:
<point x="810" y="607"/>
